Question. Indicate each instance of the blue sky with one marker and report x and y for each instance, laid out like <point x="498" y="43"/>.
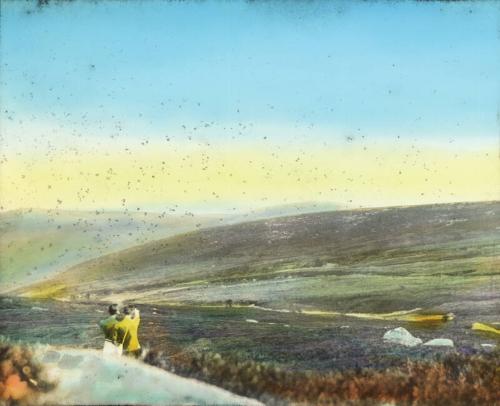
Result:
<point x="231" y="105"/>
<point x="376" y="69"/>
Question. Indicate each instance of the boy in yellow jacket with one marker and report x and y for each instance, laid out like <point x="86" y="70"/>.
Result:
<point x="127" y="331"/>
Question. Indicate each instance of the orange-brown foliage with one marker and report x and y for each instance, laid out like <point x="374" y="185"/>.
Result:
<point x="457" y="379"/>
<point x="20" y="376"/>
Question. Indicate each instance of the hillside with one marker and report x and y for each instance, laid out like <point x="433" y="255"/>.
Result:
<point x="364" y="260"/>
<point x="283" y="210"/>
<point x="36" y="243"/>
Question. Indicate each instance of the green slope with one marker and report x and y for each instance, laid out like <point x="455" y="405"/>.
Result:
<point x="36" y="243"/>
<point x="363" y="260"/>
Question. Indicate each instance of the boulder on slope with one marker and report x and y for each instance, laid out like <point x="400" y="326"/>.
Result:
<point x="401" y="336"/>
<point x="440" y="342"/>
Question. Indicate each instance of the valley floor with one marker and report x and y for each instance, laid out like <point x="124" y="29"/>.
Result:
<point x="272" y="355"/>
<point x="295" y="341"/>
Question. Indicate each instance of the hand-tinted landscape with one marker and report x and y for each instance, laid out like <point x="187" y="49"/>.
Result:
<point x="301" y="198"/>
<point x="310" y="292"/>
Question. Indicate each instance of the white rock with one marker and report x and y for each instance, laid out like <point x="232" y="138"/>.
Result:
<point x="251" y="321"/>
<point x="440" y="342"/>
<point x="39" y="309"/>
<point x="401" y="336"/>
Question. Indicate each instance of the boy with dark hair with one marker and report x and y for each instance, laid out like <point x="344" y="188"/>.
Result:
<point x="110" y="334"/>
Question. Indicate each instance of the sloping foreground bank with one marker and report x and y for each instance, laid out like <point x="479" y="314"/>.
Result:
<point x="88" y="377"/>
<point x="65" y="376"/>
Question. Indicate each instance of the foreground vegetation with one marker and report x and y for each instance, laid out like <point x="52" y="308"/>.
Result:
<point x="456" y="379"/>
<point x="21" y="378"/>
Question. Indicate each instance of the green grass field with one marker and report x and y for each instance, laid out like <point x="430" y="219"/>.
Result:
<point x="379" y="260"/>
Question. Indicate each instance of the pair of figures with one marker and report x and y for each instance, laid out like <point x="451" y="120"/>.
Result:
<point x="120" y="331"/>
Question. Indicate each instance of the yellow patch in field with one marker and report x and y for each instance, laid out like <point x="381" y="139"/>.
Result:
<point x="46" y="291"/>
<point x="486" y="328"/>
